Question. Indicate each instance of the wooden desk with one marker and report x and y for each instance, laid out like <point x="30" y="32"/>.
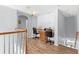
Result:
<point x="42" y="36"/>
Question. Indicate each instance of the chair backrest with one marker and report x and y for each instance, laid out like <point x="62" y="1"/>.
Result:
<point x="34" y="30"/>
<point x="45" y="29"/>
<point x="49" y="33"/>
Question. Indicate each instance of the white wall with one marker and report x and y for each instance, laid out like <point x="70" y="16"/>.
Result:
<point x="8" y="19"/>
<point x="61" y="28"/>
<point x="8" y="22"/>
<point x="22" y="23"/>
<point x="22" y="19"/>
<point x="49" y="20"/>
<point x="78" y="21"/>
<point x="32" y="22"/>
<point x="77" y="45"/>
<point x="67" y="27"/>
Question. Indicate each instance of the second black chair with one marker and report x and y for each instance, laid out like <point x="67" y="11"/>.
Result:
<point x="49" y="34"/>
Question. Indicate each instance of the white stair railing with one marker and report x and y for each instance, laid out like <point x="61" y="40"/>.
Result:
<point x="13" y="42"/>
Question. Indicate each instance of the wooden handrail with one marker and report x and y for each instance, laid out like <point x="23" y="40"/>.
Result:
<point x="12" y="32"/>
<point x="15" y="32"/>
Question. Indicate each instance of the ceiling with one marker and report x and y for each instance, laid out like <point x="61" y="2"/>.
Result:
<point x="41" y="9"/>
<point x="69" y="10"/>
<point x="38" y="9"/>
<point x="46" y="9"/>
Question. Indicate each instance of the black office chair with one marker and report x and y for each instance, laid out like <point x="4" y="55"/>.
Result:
<point x="49" y="35"/>
<point x="35" y="33"/>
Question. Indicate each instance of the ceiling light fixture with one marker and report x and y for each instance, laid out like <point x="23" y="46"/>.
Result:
<point x="31" y="11"/>
<point x="34" y="13"/>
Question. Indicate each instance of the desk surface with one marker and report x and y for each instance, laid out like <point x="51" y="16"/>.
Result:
<point x="38" y="29"/>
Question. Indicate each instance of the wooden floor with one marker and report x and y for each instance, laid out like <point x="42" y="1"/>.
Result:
<point x="38" y="47"/>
